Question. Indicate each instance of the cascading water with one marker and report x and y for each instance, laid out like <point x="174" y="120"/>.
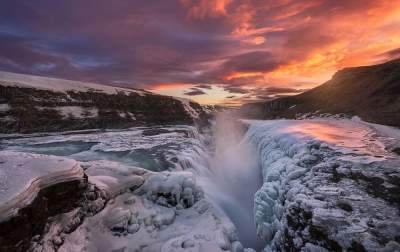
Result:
<point x="228" y="170"/>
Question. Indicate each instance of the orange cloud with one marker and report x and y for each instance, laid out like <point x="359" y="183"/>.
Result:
<point x="318" y="38"/>
<point x="206" y="8"/>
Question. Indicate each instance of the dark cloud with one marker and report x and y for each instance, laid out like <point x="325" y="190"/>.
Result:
<point x="204" y="86"/>
<point x="278" y="90"/>
<point x="262" y="91"/>
<point x="194" y="92"/>
<point x="230" y="97"/>
<point x="257" y="61"/>
<point x="133" y="42"/>
<point x="235" y="89"/>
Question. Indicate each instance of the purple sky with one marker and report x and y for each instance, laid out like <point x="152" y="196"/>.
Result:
<point x="214" y="51"/>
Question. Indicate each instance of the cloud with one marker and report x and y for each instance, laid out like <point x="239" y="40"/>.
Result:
<point x="194" y="92"/>
<point x="204" y="86"/>
<point x="235" y="89"/>
<point x="250" y="62"/>
<point x="243" y="45"/>
<point x="391" y="54"/>
<point x="279" y="90"/>
<point x="206" y="8"/>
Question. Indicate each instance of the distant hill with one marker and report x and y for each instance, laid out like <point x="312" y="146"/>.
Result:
<point x="36" y="104"/>
<point x="370" y="92"/>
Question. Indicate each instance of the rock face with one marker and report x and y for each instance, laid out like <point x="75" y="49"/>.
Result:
<point x="36" y="104"/>
<point x="34" y="188"/>
<point x="370" y="92"/>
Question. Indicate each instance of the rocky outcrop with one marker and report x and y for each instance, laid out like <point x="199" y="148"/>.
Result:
<point x="34" y="189"/>
<point x="31" y="107"/>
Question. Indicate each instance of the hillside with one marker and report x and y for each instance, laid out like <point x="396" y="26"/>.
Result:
<point x="370" y="92"/>
<point x="37" y="104"/>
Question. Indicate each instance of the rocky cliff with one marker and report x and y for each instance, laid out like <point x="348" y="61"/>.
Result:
<point x="37" y="104"/>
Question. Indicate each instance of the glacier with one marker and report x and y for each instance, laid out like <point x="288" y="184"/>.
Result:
<point x="323" y="184"/>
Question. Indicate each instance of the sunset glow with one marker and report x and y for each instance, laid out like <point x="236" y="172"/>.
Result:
<point x="212" y="51"/>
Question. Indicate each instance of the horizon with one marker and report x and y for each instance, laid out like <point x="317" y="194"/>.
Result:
<point x="219" y="52"/>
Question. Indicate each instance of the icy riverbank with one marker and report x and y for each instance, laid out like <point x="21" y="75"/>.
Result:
<point x="328" y="185"/>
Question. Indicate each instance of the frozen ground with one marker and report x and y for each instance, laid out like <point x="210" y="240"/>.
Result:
<point x="294" y="185"/>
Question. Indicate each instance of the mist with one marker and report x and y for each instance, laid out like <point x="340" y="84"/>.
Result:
<point x="234" y="178"/>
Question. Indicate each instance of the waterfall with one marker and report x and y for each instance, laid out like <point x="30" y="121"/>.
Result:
<point x="228" y="169"/>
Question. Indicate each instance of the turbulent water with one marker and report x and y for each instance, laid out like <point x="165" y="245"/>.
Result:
<point x="266" y="177"/>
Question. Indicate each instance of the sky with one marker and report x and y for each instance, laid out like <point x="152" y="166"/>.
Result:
<point x="226" y="52"/>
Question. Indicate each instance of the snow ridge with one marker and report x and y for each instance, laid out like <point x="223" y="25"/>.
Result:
<point x="60" y="85"/>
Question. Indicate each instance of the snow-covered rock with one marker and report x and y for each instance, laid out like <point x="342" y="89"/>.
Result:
<point x="59" y="85"/>
<point x="40" y="104"/>
<point x="328" y="185"/>
<point x="23" y="175"/>
<point x="167" y="213"/>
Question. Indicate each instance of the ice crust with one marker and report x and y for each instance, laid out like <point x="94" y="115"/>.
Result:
<point x="316" y="195"/>
<point x="167" y="212"/>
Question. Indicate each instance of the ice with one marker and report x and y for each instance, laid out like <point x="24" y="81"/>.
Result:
<point x="167" y="213"/>
<point x="176" y="189"/>
<point x="323" y="183"/>
<point x="114" y="178"/>
<point x="22" y="175"/>
<point x="135" y="146"/>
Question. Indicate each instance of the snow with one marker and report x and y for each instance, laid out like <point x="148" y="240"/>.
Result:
<point x="76" y="112"/>
<point x="112" y="177"/>
<point x="22" y="175"/>
<point x="166" y="213"/>
<point x="312" y="171"/>
<point x="4" y="107"/>
<point x="186" y="104"/>
<point x="59" y="85"/>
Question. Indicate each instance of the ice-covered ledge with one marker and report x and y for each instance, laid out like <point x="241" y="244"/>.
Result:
<point x="328" y="185"/>
<point x="23" y="175"/>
